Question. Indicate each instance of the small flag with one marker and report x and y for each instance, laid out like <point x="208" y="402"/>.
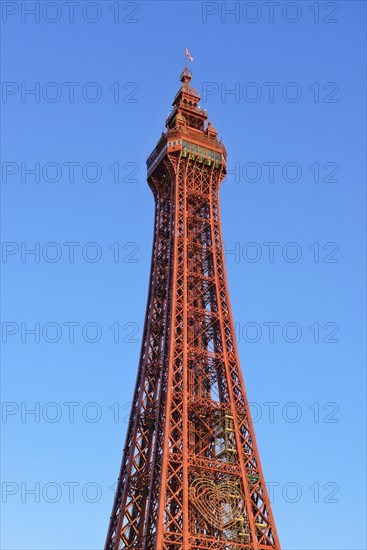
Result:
<point x="189" y="55"/>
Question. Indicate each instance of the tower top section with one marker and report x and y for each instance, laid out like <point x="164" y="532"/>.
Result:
<point x="187" y="129"/>
<point x="186" y="89"/>
<point x="186" y="105"/>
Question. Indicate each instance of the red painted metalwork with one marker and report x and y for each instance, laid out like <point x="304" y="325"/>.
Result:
<point x="190" y="477"/>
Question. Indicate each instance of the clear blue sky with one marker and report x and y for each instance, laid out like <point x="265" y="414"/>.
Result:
<point x="298" y="102"/>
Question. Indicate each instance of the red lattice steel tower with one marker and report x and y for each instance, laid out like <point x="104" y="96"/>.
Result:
<point x="190" y="477"/>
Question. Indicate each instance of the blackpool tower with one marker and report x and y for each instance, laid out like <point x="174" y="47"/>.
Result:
<point x="190" y="476"/>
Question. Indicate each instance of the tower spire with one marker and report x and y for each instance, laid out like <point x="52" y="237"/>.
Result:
<point x="190" y="476"/>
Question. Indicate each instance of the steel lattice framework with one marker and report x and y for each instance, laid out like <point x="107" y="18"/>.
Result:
<point x="190" y="477"/>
